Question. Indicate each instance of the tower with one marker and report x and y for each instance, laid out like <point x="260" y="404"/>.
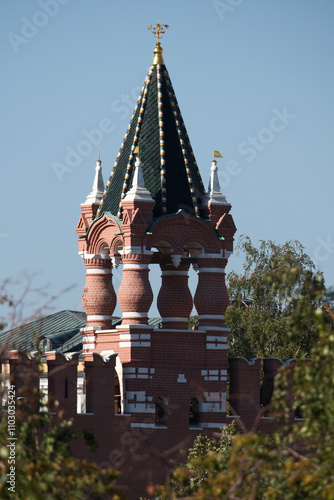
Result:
<point x="155" y="211"/>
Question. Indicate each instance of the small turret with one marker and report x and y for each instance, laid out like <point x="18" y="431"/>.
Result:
<point x="95" y="196"/>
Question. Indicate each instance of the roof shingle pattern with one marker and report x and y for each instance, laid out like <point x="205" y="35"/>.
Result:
<point x="168" y="163"/>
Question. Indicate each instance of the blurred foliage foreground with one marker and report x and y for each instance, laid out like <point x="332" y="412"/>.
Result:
<point x="297" y="461"/>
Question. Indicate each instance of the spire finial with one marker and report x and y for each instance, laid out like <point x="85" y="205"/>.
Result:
<point x="158" y="30"/>
<point x="99" y="158"/>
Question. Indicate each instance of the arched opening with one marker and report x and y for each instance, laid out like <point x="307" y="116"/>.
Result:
<point x="194" y="412"/>
<point x="160" y="412"/>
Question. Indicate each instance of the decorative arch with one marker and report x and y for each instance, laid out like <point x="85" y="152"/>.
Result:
<point x="182" y="228"/>
<point x="102" y="231"/>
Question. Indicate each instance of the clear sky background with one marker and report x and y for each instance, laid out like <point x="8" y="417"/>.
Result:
<point x="253" y="78"/>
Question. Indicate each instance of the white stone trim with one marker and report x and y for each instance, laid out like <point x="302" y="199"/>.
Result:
<point x="213" y="375"/>
<point x="216" y="342"/>
<point x="174" y="273"/>
<point x="134" y="266"/>
<point x="89" y="338"/>
<point x="211" y="316"/>
<point x="214" y="338"/>
<point x="98" y="271"/>
<point x="212" y="425"/>
<point x="97" y="317"/>
<point x="134" y="314"/>
<point x="88" y="346"/>
<point x="136" y="250"/>
<point x="227" y="253"/>
<point x="184" y="320"/>
<point x="220" y="270"/>
<point x="135" y="344"/>
<point x="92" y="255"/>
<point x="142" y="404"/>
<point x="90" y="329"/>
<point x="135" y="340"/>
<point x="142" y="373"/>
<point x="135" y="336"/>
<point x="181" y="378"/>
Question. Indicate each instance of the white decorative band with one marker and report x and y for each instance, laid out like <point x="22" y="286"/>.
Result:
<point x="88" y="346"/>
<point x="86" y="255"/>
<point x="134" y="266"/>
<point x="137" y="250"/>
<point x="185" y="320"/>
<point x="135" y="344"/>
<point x="174" y="273"/>
<point x="134" y="315"/>
<point x="88" y="338"/>
<point x="213" y="338"/>
<point x="135" y="336"/>
<point x="97" y="317"/>
<point x="98" y="271"/>
<point x="211" y="316"/>
<point x="220" y="270"/>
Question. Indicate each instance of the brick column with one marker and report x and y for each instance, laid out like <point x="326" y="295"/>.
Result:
<point x="175" y="301"/>
<point x="211" y="297"/>
<point x="99" y="298"/>
<point x="135" y="294"/>
<point x="24" y="375"/>
<point x="62" y="382"/>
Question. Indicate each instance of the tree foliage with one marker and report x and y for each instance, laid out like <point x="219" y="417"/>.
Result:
<point x="297" y="461"/>
<point x="40" y="455"/>
<point x="277" y="280"/>
<point x="42" y="459"/>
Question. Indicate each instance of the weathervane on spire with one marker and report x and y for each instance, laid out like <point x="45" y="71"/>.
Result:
<point x="158" y="30"/>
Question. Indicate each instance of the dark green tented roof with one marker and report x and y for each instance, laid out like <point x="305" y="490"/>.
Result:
<point x="169" y="167"/>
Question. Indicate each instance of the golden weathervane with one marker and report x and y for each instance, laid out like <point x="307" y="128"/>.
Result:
<point x="158" y="30"/>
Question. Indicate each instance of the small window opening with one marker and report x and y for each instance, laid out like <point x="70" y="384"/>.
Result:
<point x="160" y="414"/>
<point x="194" y="412"/>
<point x="66" y="387"/>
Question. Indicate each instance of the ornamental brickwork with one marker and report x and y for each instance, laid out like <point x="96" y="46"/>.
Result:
<point x="156" y="421"/>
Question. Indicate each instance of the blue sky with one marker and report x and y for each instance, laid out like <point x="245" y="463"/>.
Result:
<point x="254" y="79"/>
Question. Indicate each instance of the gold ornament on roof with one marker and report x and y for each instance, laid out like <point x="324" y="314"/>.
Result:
<point x="158" y="30"/>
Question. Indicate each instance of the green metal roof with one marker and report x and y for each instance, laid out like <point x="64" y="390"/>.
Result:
<point x="168" y="163"/>
<point x="61" y="328"/>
